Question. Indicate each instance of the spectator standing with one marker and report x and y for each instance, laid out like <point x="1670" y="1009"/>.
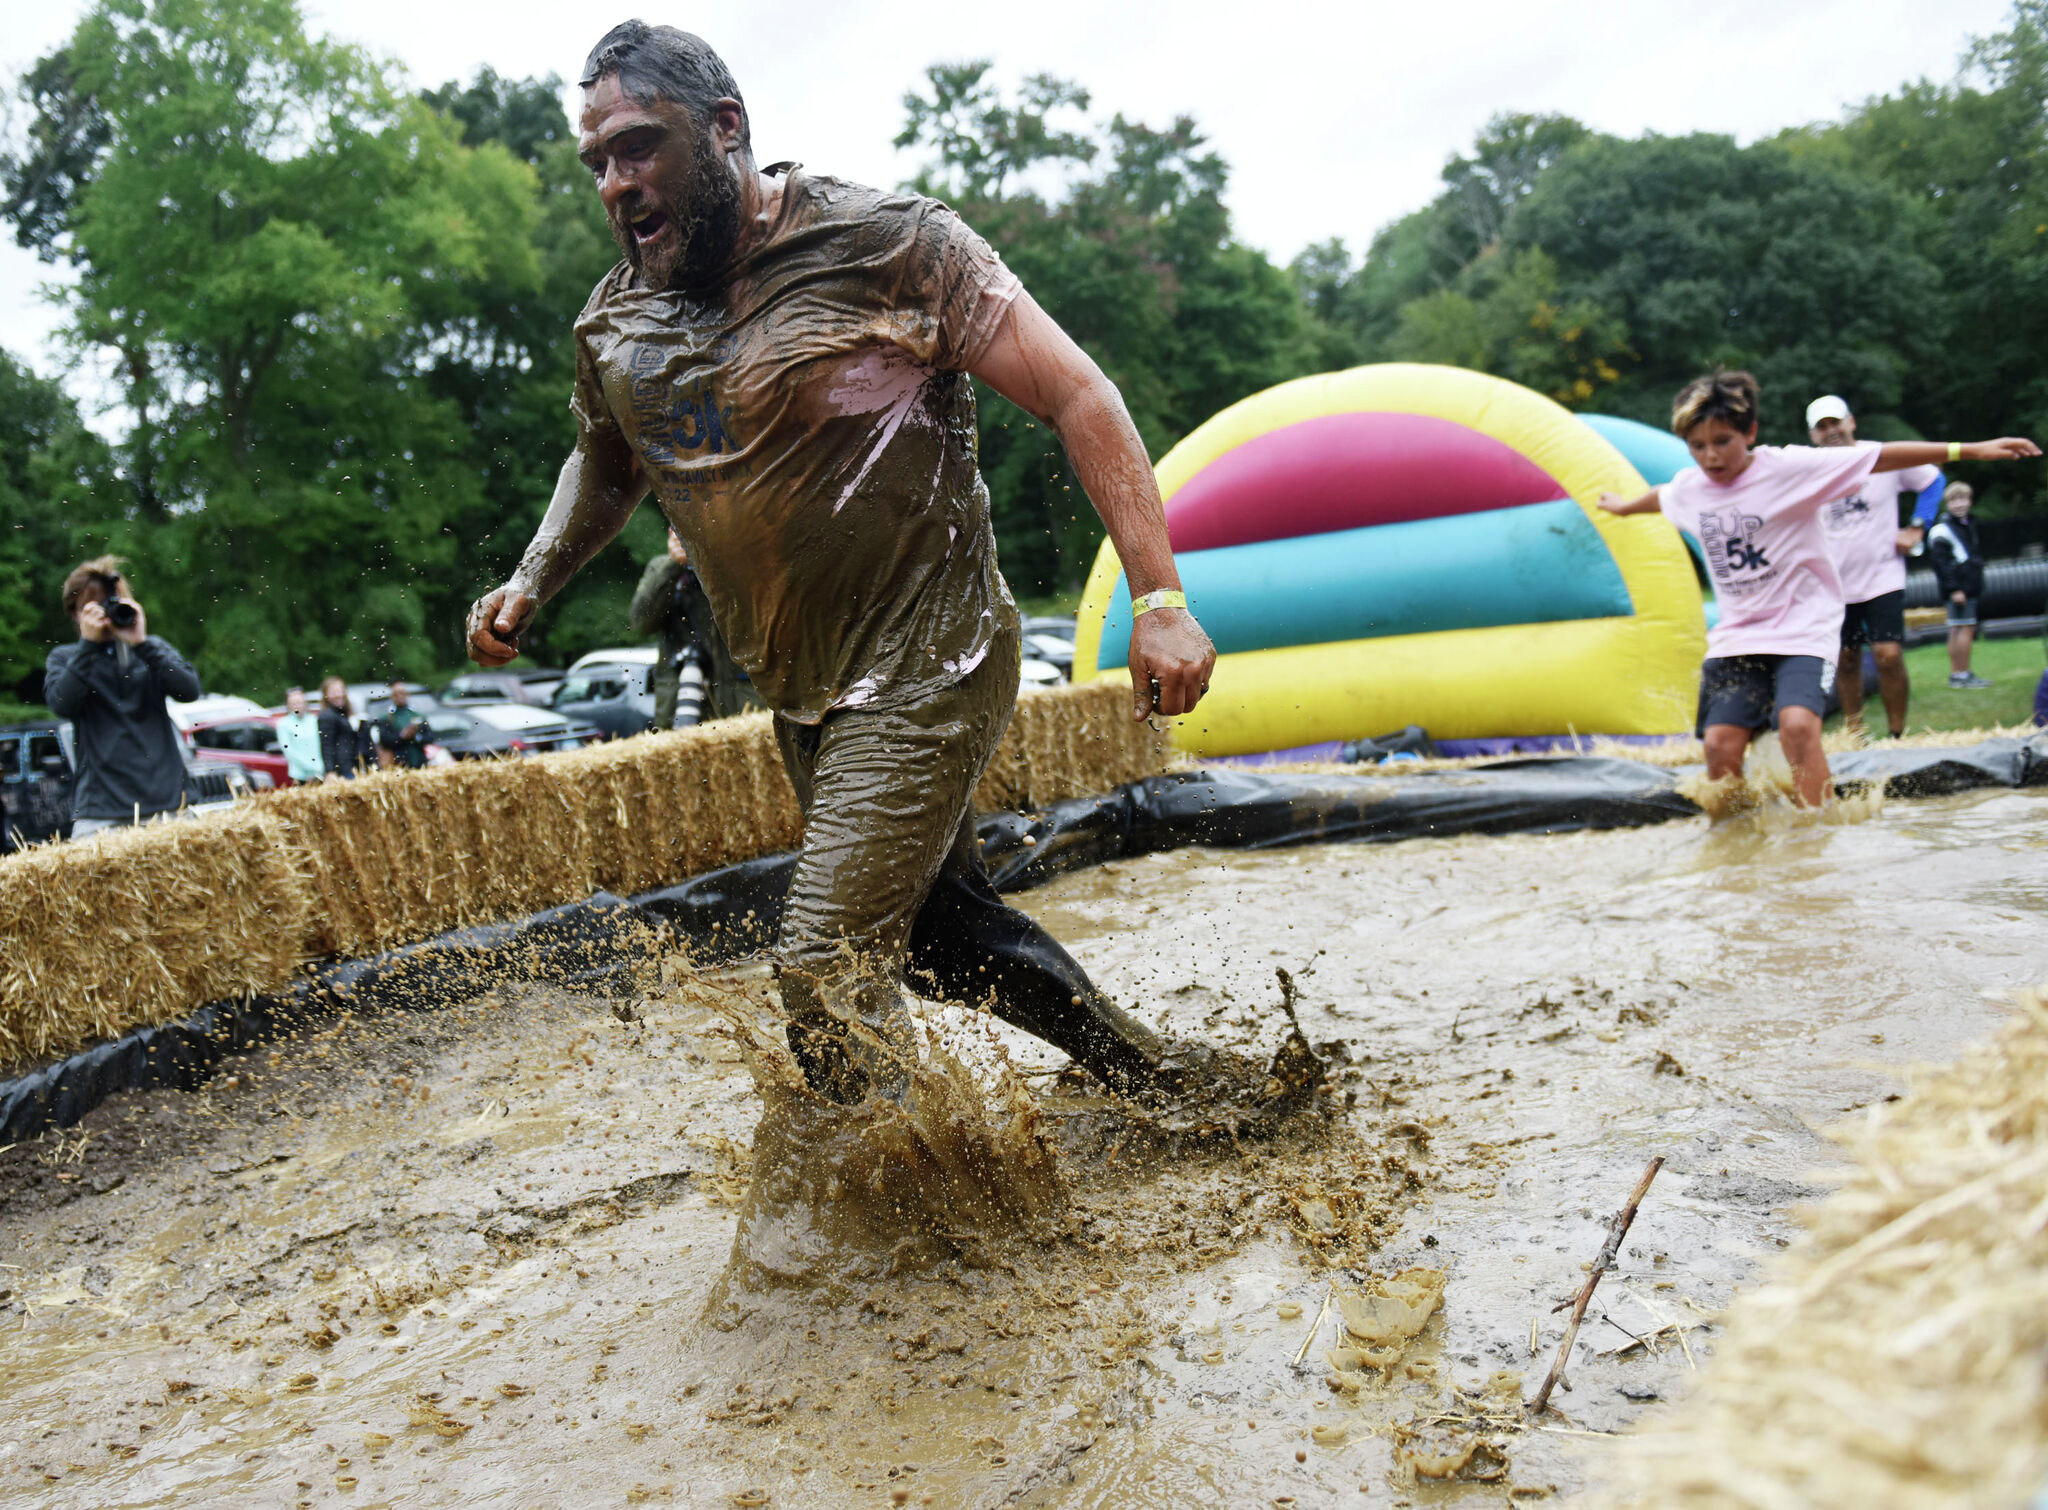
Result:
<point x="298" y="736"/>
<point x="670" y="602"/>
<point x="111" y="683"/>
<point x="343" y="749"/>
<point x="402" y="733"/>
<point x="1870" y="549"/>
<point x="1952" y="551"/>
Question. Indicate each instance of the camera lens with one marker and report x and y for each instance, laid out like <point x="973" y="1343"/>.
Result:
<point x="121" y="613"/>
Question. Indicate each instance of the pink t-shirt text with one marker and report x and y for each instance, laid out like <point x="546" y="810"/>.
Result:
<point x="1766" y="549"/>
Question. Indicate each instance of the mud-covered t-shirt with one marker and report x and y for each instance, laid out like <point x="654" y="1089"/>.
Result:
<point x="808" y="429"/>
<point x="1863" y="532"/>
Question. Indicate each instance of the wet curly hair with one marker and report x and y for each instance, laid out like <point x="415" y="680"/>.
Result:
<point x="662" y="63"/>
<point x="1722" y="395"/>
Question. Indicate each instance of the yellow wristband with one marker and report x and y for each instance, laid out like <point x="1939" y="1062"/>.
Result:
<point x="1955" y="450"/>
<point x="1165" y="597"/>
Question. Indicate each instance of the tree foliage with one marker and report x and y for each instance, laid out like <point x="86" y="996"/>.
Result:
<point x="337" y="313"/>
<point x="1120" y="230"/>
<point x="337" y="325"/>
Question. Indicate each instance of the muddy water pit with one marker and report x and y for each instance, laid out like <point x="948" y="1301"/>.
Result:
<point x="480" y="1257"/>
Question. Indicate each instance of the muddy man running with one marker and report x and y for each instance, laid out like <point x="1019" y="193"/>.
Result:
<point x="783" y="359"/>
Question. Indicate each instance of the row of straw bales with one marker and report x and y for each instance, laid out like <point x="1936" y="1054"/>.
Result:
<point x="142" y="926"/>
<point x="1899" y="1356"/>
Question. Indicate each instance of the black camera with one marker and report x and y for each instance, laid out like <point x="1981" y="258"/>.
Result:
<point x="120" y="612"/>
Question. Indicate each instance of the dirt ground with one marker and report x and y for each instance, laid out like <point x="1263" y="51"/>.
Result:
<point x="535" y="1252"/>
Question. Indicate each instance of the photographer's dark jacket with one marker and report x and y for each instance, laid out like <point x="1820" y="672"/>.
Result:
<point x="130" y="758"/>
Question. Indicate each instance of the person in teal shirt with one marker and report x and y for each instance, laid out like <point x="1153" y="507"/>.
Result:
<point x="298" y="735"/>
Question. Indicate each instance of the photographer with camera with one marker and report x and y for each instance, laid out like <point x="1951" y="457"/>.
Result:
<point x="112" y="684"/>
<point x="670" y="602"/>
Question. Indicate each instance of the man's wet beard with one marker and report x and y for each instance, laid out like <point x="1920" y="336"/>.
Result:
<point x="697" y="245"/>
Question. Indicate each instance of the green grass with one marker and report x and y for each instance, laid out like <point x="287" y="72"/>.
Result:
<point x="2013" y="667"/>
<point x="12" y="712"/>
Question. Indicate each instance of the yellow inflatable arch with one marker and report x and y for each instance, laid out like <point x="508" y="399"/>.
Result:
<point x="1406" y="544"/>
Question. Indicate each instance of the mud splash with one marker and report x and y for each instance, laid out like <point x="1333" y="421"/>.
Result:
<point x="467" y="1258"/>
<point x="1763" y="793"/>
<point x="840" y="1194"/>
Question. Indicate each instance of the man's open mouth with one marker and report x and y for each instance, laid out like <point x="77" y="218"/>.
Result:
<point x="647" y="225"/>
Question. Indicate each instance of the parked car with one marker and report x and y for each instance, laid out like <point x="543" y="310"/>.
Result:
<point x="250" y="743"/>
<point x="35" y="785"/>
<point x="621" y="655"/>
<point x="373" y="699"/>
<point x="212" y="709"/>
<point x="618" y="699"/>
<point x="38" y="762"/>
<point x="474" y="687"/>
<point x="485" y="730"/>
<point x="1050" y="638"/>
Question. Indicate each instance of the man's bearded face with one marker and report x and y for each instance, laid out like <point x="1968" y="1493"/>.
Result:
<point x="671" y="195"/>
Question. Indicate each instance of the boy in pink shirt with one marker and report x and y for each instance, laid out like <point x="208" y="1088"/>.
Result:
<point x="1756" y="511"/>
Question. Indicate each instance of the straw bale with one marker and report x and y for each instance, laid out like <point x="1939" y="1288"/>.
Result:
<point x="352" y="867"/>
<point x="1895" y="1357"/>
<point x="399" y="856"/>
<point x="140" y="925"/>
<point x="1070" y="742"/>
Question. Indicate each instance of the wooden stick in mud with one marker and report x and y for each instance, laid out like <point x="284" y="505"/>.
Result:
<point x="1616" y="1230"/>
<point x="1316" y="1325"/>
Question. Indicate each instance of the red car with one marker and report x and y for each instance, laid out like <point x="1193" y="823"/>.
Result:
<point x="250" y="743"/>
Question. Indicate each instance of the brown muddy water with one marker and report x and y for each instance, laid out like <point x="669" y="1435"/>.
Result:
<point x="481" y="1257"/>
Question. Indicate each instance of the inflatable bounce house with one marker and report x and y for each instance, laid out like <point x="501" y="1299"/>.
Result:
<point x="1405" y="544"/>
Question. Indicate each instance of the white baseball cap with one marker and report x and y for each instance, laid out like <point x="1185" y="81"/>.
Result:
<point x="1828" y="406"/>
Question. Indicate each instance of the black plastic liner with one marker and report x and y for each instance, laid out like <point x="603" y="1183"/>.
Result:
<point x="734" y="911"/>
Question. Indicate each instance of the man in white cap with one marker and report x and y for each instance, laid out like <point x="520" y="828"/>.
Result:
<point x="1870" y="547"/>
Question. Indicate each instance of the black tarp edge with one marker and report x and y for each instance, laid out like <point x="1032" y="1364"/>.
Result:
<point x="735" y="910"/>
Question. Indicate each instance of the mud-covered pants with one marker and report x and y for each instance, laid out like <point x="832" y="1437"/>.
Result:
<point x="890" y="875"/>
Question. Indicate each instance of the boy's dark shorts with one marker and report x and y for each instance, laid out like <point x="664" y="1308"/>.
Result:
<point x="1875" y="621"/>
<point x="1748" y="690"/>
<point x="1962" y="615"/>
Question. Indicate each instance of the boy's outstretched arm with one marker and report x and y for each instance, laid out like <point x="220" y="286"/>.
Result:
<point x="1651" y="502"/>
<point x="1897" y="455"/>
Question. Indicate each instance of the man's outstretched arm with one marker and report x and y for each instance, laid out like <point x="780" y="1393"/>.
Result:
<point x="600" y="486"/>
<point x="1036" y="366"/>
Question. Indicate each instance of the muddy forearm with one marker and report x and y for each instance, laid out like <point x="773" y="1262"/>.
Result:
<point x="598" y="490"/>
<point x="1109" y="458"/>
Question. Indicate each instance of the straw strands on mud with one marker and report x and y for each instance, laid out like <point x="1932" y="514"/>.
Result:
<point x="144" y="925"/>
<point x="1897" y="1358"/>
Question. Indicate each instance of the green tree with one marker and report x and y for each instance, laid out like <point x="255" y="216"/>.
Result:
<point x="1754" y="257"/>
<point x="277" y="251"/>
<point x="1508" y="315"/>
<point x="1970" y="155"/>
<point x="1133" y="254"/>
<point x="510" y="375"/>
<point x="60" y="501"/>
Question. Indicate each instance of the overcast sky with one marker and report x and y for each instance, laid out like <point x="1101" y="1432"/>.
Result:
<point x="1334" y="117"/>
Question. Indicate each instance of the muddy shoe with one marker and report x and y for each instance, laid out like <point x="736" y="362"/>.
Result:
<point x="820" y="1052"/>
<point x="850" y="1036"/>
